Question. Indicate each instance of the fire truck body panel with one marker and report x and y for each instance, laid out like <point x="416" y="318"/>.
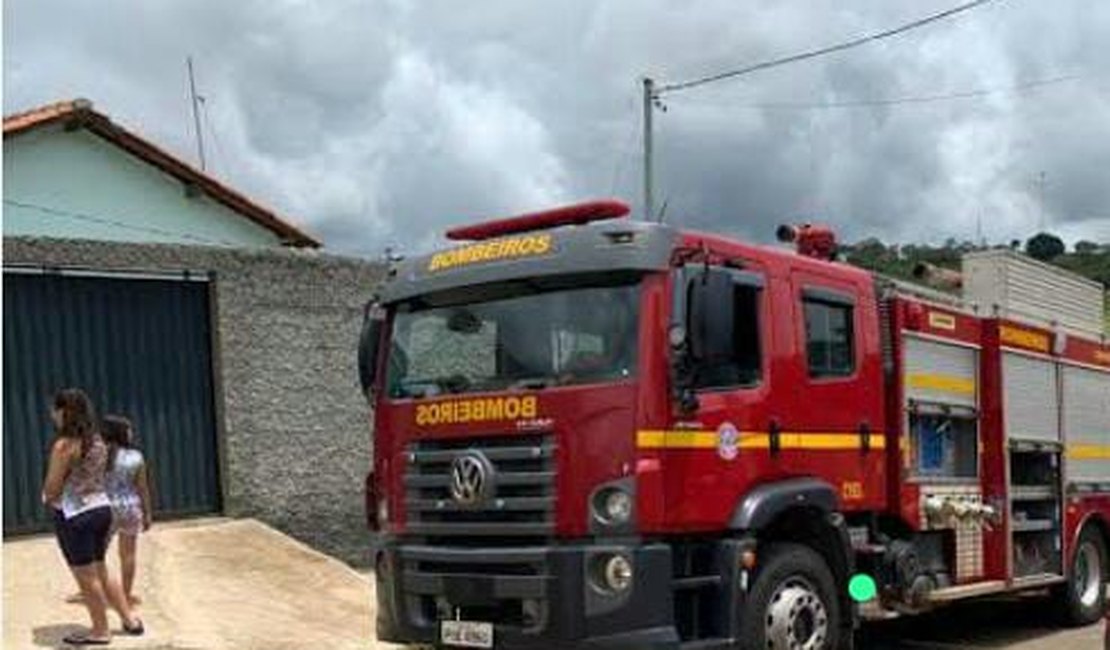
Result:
<point x="894" y="431"/>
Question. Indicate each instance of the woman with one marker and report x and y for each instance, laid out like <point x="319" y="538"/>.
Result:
<point x="74" y="487"/>
<point x="129" y="493"/>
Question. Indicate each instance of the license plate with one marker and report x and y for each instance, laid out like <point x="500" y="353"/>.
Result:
<point x="466" y="634"/>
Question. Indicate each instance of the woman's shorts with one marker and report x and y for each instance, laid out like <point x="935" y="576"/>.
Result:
<point x="84" y="538"/>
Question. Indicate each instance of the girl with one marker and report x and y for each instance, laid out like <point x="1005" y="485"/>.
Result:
<point x="130" y="495"/>
<point x="74" y="487"/>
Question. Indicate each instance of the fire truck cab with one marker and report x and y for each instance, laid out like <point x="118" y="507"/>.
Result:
<point x="596" y="432"/>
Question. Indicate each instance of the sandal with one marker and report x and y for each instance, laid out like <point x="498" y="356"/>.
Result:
<point x="83" y="639"/>
<point x="134" y="630"/>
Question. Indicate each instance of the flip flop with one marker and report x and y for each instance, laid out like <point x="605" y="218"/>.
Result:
<point x="81" y="639"/>
<point x="134" y="630"/>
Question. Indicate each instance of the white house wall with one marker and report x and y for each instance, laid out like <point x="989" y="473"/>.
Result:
<point x="76" y="185"/>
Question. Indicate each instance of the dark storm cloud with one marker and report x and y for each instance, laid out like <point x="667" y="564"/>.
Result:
<point x="379" y="123"/>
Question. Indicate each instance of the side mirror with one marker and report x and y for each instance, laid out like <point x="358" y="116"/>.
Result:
<point x="369" y="346"/>
<point x="711" y="317"/>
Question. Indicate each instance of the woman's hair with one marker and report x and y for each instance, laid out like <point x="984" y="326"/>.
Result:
<point x="78" y="417"/>
<point x="116" y="430"/>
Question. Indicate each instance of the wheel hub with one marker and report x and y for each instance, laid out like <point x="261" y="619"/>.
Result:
<point x="1088" y="574"/>
<point x="796" y="618"/>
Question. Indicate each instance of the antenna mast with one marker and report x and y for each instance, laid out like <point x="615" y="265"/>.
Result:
<point x="649" y="171"/>
<point x="196" y="112"/>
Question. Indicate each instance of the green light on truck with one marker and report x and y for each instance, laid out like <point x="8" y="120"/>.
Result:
<point x="862" y="588"/>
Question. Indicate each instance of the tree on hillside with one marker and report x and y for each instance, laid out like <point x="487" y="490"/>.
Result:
<point x="1045" y="247"/>
<point x="1085" y="247"/>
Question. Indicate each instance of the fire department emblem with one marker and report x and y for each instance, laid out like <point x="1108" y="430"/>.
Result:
<point x="728" y="441"/>
<point x="471" y="480"/>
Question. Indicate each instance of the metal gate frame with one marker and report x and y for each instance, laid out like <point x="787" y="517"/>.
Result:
<point x="209" y="278"/>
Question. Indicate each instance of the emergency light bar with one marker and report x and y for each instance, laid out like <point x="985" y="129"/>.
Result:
<point x="577" y="214"/>
<point x="810" y="240"/>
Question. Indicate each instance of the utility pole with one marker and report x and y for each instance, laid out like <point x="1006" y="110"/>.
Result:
<point x="196" y="112"/>
<point x="649" y="172"/>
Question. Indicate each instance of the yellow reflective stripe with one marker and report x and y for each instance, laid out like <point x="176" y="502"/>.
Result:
<point x="829" y="441"/>
<point x="694" y="439"/>
<point x="681" y="439"/>
<point x="1089" y="452"/>
<point x="942" y="383"/>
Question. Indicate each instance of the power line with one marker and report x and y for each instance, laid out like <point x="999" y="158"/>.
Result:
<point x="812" y="54"/>
<point x="914" y="99"/>
<point x="622" y="153"/>
<point x="653" y="93"/>
<point x="80" y="216"/>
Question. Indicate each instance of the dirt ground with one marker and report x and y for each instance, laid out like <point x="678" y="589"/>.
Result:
<point x="238" y="585"/>
<point x="209" y="584"/>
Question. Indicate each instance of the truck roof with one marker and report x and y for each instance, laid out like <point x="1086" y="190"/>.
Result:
<point x="611" y="245"/>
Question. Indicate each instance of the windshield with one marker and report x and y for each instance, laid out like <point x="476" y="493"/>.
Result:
<point x="526" y="339"/>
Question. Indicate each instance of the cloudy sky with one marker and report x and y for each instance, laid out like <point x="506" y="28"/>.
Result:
<point x="380" y="123"/>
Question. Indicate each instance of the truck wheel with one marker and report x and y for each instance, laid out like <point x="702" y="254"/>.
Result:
<point x="1083" y="597"/>
<point x="793" y="604"/>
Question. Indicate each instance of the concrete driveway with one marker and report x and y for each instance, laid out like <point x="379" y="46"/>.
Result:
<point x="239" y="585"/>
<point x="209" y="584"/>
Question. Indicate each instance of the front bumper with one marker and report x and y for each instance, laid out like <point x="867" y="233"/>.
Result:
<point x="536" y="597"/>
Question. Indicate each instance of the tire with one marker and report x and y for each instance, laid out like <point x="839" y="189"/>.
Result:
<point x="1082" y="599"/>
<point x="793" y="603"/>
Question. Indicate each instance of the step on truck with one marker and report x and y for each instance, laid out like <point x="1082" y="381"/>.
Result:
<point x="597" y="432"/>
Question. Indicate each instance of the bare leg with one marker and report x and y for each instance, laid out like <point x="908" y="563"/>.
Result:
<point x="115" y="595"/>
<point x="128" y="556"/>
<point x="93" y="590"/>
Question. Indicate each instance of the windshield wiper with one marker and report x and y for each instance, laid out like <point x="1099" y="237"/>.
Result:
<point x="534" y="383"/>
<point x="420" y="388"/>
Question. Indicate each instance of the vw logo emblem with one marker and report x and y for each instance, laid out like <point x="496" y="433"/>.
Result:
<point x="471" y="479"/>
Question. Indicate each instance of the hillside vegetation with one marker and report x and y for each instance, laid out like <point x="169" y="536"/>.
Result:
<point x="1088" y="259"/>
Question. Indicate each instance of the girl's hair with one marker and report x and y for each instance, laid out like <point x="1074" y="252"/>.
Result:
<point x="78" y="417"/>
<point x="117" y="433"/>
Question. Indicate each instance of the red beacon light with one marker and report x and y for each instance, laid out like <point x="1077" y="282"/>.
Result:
<point x="810" y="240"/>
<point x="577" y="214"/>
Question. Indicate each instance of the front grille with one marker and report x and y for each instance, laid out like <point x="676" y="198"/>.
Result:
<point x="521" y="504"/>
<point x="486" y="561"/>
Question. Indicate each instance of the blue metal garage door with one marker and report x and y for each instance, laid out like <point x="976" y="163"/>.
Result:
<point x="140" y="348"/>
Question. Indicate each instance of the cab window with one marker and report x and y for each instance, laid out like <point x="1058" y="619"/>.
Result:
<point x="830" y="349"/>
<point x="745" y="367"/>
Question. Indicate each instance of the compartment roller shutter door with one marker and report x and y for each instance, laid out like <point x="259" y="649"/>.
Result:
<point x="1086" y="418"/>
<point x="1029" y="398"/>
<point x="941" y="373"/>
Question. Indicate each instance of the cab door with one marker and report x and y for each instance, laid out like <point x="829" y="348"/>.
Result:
<point x="715" y="450"/>
<point x="829" y="391"/>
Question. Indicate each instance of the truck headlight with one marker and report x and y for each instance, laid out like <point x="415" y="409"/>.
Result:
<point x="613" y="507"/>
<point x="612" y="573"/>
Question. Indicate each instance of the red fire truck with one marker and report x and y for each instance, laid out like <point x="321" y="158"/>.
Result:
<point x="593" y="431"/>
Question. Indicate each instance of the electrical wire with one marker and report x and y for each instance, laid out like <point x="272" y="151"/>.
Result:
<point x="623" y="153"/>
<point x="812" y="54"/>
<point x="912" y="99"/>
<point x="80" y="216"/>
